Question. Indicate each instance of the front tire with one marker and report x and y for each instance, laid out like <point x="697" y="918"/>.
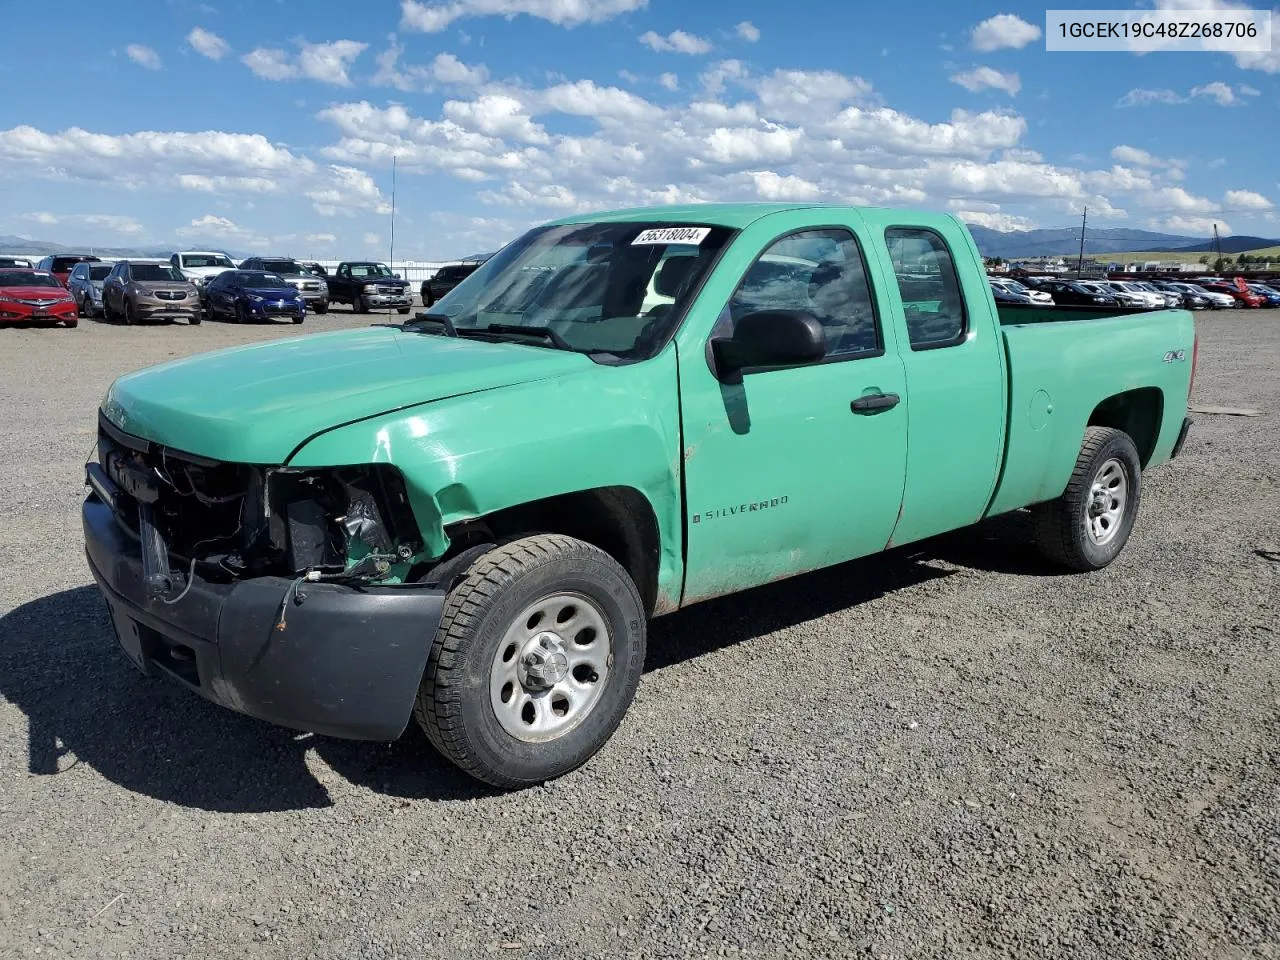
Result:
<point x="322" y="308"/>
<point x="535" y="662"/>
<point x="1089" y="524"/>
<point x="358" y="305"/>
<point x="129" y="318"/>
<point x="402" y="310"/>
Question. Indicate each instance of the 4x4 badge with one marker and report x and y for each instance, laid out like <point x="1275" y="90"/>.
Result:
<point x="1173" y="355"/>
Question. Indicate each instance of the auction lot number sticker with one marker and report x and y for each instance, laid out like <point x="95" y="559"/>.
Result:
<point x="693" y="235"/>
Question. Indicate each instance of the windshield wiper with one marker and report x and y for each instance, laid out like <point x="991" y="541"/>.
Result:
<point x="443" y="319"/>
<point x="516" y="329"/>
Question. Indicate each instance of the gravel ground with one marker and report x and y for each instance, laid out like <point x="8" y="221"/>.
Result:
<point x="945" y="751"/>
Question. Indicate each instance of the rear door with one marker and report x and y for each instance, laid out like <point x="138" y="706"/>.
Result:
<point x="953" y="355"/>
<point x="782" y="474"/>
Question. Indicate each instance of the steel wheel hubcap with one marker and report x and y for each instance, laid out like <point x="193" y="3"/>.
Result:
<point x="1108" y="496"/>
<point x="550" y="669"/>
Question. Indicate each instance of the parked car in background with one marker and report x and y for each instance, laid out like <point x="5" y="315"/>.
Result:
<point x="1041" y="297"/>
<point x="1072" y="293"/>
<point x="253" y="296"/>
<point x="138" y="290"/>
<point x="1217" y="301"/>
<point x="314" y="290"/>
<point x="1131" y="295"/>
<point x="1243" y="298"/>
<point x="85" y="285"/>
<point x="445" y="279"/>
<point x="1003" y="295"/>
<point x="201" y="266"/>
<point x="35" y="296"/>
<point x="20" y="263"/>
<point x="315" y="269"/>
<point x="368" y="285"/>
<point x="1270" y="295"/>
<point x="1172" y="299"/>
<point x="1188" y="300"/>
<point x="60" y="264"/>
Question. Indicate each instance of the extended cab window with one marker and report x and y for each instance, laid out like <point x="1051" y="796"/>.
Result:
<point x="929" y="287"/>
<point x="820" y="272"/>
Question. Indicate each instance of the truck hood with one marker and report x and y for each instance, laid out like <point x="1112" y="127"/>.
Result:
<point x="257" y="403"/>
<point x="205" y="271"/>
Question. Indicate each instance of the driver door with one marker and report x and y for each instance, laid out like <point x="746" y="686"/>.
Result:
<point x="787" y="471"/>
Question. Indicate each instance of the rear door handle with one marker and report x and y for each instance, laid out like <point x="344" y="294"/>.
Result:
<point x="875" y="403"/>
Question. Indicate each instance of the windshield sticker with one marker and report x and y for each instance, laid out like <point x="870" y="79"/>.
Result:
<point x="693" y="235"/>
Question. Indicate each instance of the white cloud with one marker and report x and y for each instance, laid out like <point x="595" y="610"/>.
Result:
<point x="322" y="62"/>
<point x="321" y="238"/>
<point x="983" y="78"/>
<point x="747" y="31"/>
<point x="372" y="240"/>
<point x="143" y="56"/>
<point x="208" y="44"/>
<point x="1246" y="200"/>
<point x="714" y="78"/>
<point x="1267" y="61"/>
<point x="669" y="81"/>
<point x="445" y="69"/>
<point x="1003" y="31"/>
<point x="1248" y="91"/>
<point x="46" y="219"/>
<point x="1194" y="226"/>
<point x="450" y="70"/>
<point x="1175" y="200"/>
<point x="1218" y="91"/>
<point x="1143" y="158"/>
<point x="1139" y="97"/>
<point x="993" y="220"/>
<point x="675" y="42"/>
<point x="434" y="17"/>
<point x="115" y="223"/>
<point x="772" y="186"/>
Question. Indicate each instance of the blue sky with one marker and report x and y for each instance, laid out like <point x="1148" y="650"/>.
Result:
<point x="271" y="125"/>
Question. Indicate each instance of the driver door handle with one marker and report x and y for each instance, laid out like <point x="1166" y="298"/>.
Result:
<point x="876" y="403"/>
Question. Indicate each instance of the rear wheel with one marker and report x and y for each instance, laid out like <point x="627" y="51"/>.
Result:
<point x="535" y="662"/>
<point x="1087" y="527"/>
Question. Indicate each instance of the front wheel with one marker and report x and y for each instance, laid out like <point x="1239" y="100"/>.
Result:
<point x="1089" y="524"/>
<point x="322" y="308"/>
<point x="129" y="318"/>
<point x="402" y="310"/>
<point x="359" y="305"/>
<point x="195" y="320"/>
<point x="535" y="662"/>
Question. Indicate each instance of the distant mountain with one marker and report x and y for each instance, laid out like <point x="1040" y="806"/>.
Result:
<point x="1066" y="241"/>
<point x="18" y="246"/>
<point x="1231" y="245"/>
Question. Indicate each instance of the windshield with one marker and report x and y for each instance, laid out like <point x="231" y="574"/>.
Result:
<point x="206" y="260"/>
<point x="608" y="288"/>
<point x="264" y="281"/>
<point x="281" y="266"/>
<point x="23" y="278"/>
<point x="153" y="272"/>
<point x="370" y="270"/>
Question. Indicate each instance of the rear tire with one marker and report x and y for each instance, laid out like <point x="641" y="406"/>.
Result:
<point x="516" y="609"/>
<point x="1089" y="524"/>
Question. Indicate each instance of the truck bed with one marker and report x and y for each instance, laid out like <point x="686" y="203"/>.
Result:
<point x="1013" y="314"/>
<point x="1064" y="362"/>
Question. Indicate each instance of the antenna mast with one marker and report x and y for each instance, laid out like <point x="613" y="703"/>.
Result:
<point x="393" y="213"/>
<point x="1080" y="262"/>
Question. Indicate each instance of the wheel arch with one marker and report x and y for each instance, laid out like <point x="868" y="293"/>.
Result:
<point x="619" y="520"/>
<point x="1138" y="412"/>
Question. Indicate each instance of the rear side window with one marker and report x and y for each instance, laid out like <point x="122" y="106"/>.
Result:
<point x="929" y="286"/>
<point x="819" y="272"/>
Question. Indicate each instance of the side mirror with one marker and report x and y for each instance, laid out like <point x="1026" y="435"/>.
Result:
<point x="397" y="276"/>
<point x="770" y="338"/>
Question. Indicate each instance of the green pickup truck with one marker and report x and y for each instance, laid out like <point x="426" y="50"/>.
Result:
<point x="471" y="517"/>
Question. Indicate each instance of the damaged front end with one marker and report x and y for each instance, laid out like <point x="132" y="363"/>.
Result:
<point x="286" y="594"/>
<point x="230" y="521"/>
